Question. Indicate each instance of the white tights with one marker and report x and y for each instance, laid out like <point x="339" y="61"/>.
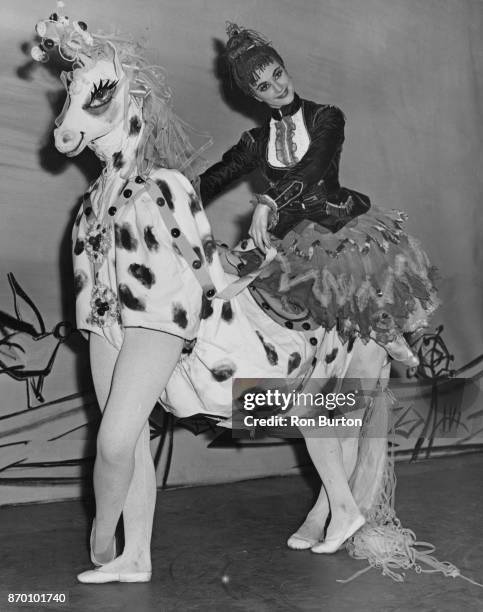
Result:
<point x="128" y="384"/>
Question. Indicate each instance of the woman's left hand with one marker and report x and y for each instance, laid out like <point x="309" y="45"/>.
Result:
<point x="258" y="229"/>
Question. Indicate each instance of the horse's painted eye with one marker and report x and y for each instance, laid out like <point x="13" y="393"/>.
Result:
<point x="101" y="94"/>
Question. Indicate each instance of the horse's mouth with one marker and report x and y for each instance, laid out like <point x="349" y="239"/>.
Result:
<point x="76" y="149"/>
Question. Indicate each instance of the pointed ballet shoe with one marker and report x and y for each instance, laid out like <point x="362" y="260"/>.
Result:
<point x="98" y="576"/>
<point x="91" y="542"/>
<point x="296" y="542"/>
<point x="399" y="350"/>
<point x="332" y="545"/>
<point x="411" y="361"/>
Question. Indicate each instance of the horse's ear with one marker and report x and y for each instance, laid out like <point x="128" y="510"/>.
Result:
<point x="111" y="53"/>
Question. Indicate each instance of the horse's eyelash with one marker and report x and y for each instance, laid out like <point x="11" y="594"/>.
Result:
<point x="103" y="85"/>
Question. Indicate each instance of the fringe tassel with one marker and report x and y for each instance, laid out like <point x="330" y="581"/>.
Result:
<point x="394" y="549"/>
<point x="383" y="541"/>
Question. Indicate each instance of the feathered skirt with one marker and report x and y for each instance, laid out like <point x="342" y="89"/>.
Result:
<point x="369" y="278"/>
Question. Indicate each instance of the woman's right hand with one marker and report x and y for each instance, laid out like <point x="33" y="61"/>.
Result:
<point x="258" y="229"/>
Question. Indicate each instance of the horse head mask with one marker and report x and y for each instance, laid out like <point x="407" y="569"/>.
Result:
<point x="113" y="90"/>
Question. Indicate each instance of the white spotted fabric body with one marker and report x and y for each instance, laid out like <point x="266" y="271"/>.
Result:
<point x="157" y="289"/>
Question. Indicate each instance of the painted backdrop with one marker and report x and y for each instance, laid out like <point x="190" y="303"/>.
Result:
<point x="407" y="74"/>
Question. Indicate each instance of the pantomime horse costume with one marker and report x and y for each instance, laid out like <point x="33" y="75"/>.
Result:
<point x="145" y="256"/>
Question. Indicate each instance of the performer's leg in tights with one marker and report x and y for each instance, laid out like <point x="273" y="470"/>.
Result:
<point x="138" y="510"/>
<point x="326" y="455"/>
<point x="367" y="365"/>
<point x="312" y="529"/>
<point x="124" y="481"/>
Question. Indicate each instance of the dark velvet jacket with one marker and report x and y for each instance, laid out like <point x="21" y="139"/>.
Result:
<point x="310" y="188"/>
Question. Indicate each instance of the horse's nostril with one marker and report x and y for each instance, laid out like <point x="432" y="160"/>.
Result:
<point x="66" y="137"/>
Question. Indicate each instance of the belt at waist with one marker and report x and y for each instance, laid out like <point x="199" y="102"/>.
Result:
<point x="343" y="203"/>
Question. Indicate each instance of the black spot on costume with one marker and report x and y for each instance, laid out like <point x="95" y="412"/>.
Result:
<point x="79" y="246"/>
<point x="150" y="239"/>
<point x="166" y="191"/>
<point x="143" y="274"/>
<point x="129" y="300"/>
<point x="118" y="160"/>
<point x="180" y="316"/>
<point x="329" y="358"/>
<point x="227" y="312"/>
<point x="80" y="279"/>
<point x="269" y="350"/>
<point x="206" y="307"/>
<point x="125" y="238"/>
<point x="293" y="362"/>
<point x="223" y="371"/>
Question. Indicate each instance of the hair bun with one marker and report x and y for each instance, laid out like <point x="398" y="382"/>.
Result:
<point x="232" y="29"/>
<point x="240" y="40"/>
<point x="246" y="53"/>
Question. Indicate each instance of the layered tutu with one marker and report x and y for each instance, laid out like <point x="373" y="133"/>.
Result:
<point x="369" y="278"/>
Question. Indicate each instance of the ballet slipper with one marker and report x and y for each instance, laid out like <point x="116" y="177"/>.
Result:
<point x="399" y="350"/>
<point x="297" y="542"/>
<point x="98" y="576"/>
<point x="92" y="540"/>
<point x="332" y="545"/>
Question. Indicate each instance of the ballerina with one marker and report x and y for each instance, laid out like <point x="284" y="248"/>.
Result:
<point x="340" y="262"/>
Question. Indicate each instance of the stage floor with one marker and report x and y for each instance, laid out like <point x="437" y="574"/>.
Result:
<point x="222" y="549"/>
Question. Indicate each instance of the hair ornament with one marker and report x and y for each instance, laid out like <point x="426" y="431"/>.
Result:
<point x="71" y="38"/>
<point x="241" y="39"/>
